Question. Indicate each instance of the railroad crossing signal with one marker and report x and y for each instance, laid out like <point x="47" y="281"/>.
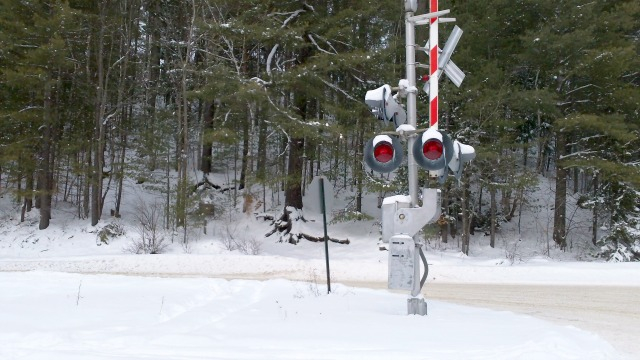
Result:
<point x="433" y="151"/>
<point x="383" y="153"/>
<point x="402" y="216"/>
<point x="447" y="66"/>
<point x="452" y="71"/>
<point x="385" y="106"/>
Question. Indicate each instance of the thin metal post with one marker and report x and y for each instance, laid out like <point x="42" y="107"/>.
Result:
<point x="326" y="237"/>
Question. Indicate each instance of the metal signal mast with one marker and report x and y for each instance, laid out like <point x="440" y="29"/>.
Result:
<point x="402" y="216"/>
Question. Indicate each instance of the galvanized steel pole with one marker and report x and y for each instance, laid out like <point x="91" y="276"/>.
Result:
<point x="411" y="105"/>
<point x="413" y="303"/>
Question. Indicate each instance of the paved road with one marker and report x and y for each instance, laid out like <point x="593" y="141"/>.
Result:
<point x="611" y="312"/>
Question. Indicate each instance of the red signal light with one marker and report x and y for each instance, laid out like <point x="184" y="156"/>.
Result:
<point x="432" y="149"/>
<point x="383" y="152"/>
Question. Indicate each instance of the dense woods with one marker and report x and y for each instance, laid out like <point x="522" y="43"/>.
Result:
<point x="172" y="93"/>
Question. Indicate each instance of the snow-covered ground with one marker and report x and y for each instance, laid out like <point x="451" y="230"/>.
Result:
<point x="72" y="316"/>
<point x="70" y="246"/>
<point x="64" y="297"/>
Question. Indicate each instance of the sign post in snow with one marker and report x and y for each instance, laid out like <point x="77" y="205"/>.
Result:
<point x="326" y="237"/>
<point x="319" y="199"/>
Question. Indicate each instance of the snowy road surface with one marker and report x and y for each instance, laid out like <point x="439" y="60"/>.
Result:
<point x="611" y="312"/>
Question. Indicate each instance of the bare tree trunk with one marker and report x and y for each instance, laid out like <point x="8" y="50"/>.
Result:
<point x="506" y="199"/>
<point x="153" y="42"/>
<point x="494" y="206"/>
<point x="183" y="119"/>
<point x="541" y="145"/>
<point x="123" y="153"/>
<point x="345" y="163"/>
<point x="28" y="197"/>
<point x="466" y="216"/>
<point x="283" y="164"/>
<point x="127" y="44"/>
<point x="97" y="140"/>
<point x="261" y="164"/>
<point x="480" y="190"/>
<point x="181" y="195"/>
<point x="207" y="143"/>
<point x="358" y="169"/>
<point x="594" y="224"/>
<point x="518" y="198"/>
<point x="560" y="211"/>
<point x="86" y="188"/>
<point x="44" y="173"/>
<point x="444" y="225"/>
<point x="293" y="191"/>
<point x="38" y="198"/>
<point x="245" y="149"/>
<point x="168" y="224"/>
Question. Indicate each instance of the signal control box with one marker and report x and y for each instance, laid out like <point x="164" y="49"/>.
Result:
<point x="390" y="205"/>
<point x="401" y="254"/>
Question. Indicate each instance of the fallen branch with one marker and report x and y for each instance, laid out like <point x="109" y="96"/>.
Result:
<point x="206" y="183"/>
<point x="283" y="225"/>
<point x="321" y="239"/>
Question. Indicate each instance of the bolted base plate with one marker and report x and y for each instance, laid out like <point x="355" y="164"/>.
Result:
<point x="416" y="306"/>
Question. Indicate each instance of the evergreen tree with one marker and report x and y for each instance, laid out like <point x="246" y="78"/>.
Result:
<point x="36" y="67"/>
<point x="575" y="54"/>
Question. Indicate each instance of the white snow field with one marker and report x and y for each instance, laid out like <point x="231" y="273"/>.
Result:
<point x="48" y="315"/>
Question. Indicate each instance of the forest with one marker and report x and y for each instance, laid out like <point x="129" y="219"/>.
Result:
<point x="96" y="92"/>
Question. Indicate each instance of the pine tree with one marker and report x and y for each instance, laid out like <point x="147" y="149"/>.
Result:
<point x="574" y="58"/>
<point x="36" y="66"/>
